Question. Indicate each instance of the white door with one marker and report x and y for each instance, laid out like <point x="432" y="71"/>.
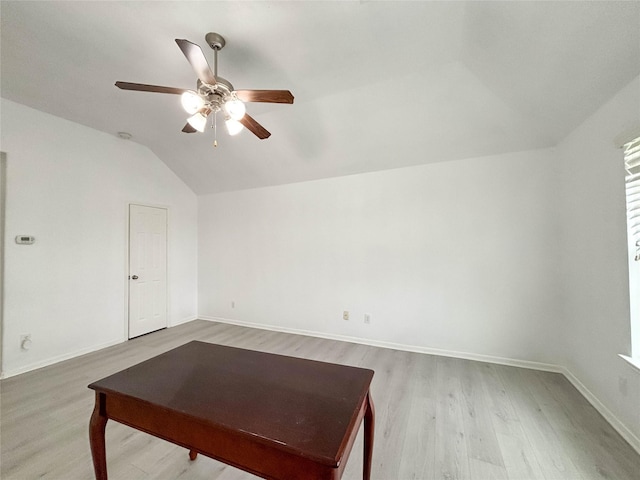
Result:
<point x="147" y="269"/>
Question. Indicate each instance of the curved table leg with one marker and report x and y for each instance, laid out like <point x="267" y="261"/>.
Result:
<point x="192" y="455"/>
<point x="97" y="426"/>
<point x="369" y="427"/>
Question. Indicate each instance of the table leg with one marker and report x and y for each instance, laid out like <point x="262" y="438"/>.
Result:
<point x="97" y="427"/>
<point x="369" y="427"/>
<point x="192" y="455"/>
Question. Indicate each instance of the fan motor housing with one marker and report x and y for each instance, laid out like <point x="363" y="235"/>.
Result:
<point x="216" y="95"/>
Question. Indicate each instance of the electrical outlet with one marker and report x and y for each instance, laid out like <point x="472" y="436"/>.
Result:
<point x="367" y="318"/>
<point x="345" y="315"/>
<point x="233" y="304"/>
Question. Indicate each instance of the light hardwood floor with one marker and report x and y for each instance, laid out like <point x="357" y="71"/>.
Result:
<point x="436" y="417"/>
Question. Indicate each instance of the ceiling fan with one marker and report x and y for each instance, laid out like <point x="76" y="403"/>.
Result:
<point x="214" y="94"/>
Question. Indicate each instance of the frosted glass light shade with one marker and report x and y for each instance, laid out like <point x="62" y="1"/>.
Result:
<point x="191" y="102"/>
<point x="235" y="108"/>
<point x="234" y="127"/>
<point x="198" y="121"/>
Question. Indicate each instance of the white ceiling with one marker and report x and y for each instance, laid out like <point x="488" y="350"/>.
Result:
<point x="377" y="85"/>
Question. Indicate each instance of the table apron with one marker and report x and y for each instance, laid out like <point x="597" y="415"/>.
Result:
<point x="233" y="448"/>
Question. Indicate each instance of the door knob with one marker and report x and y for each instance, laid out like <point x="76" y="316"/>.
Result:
<point x="135" y="277"/>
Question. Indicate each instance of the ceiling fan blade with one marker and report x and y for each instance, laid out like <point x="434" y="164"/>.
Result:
<point x="141" y="87"/>
<point x="267" y="96"/>
<point x="197" y="60"/>
<point x="188" y="128"/>
<point x="257" y="129"/>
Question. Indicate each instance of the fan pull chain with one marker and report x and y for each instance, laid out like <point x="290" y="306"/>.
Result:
<point x="215" y="129"/>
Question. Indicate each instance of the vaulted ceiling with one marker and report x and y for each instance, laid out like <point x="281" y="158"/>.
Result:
<point x="377" y="85"/>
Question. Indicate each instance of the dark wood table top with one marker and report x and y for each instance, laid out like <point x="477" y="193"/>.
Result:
<point x="302" y="406"/>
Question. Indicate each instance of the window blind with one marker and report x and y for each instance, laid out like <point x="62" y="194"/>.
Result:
<point x="632" y="182"/>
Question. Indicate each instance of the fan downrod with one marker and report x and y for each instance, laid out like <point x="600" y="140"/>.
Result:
<point x="215" y="41"/>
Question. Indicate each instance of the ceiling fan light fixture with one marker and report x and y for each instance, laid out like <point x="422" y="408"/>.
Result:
<point x="235" y="108"/>
<point x="234" y="127"/>
<point x="198" y="121"/>
<point x="191" y="102"/>
<point x="213" y="93"/>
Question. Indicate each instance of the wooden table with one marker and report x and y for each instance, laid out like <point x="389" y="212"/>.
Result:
<point x="274" y="416"/>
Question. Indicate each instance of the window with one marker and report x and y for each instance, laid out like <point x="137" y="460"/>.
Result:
<point x="632" y="182"/>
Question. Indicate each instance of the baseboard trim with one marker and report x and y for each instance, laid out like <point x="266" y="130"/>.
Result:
<point x="58" y="358"/>
<point x="620" y="427"/>
<point x="547" y="367"/>
<point x="190" y="318"/>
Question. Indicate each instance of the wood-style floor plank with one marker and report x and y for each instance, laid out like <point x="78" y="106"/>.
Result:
<point x="451" y="458"/>
<point x="517" y="452"/>
<point x="417" y="460"/>
<point x="436" y="417"/>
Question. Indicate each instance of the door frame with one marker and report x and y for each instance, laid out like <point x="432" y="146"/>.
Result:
<point x="3" y="205"/>
<point x="125" y="331"/>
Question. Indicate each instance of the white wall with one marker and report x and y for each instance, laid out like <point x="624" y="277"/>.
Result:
<point x="70" y="186"/>
<point x="520" y="256"/>
<point x="595" y="293"/>
<point x="457" y="256"/>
